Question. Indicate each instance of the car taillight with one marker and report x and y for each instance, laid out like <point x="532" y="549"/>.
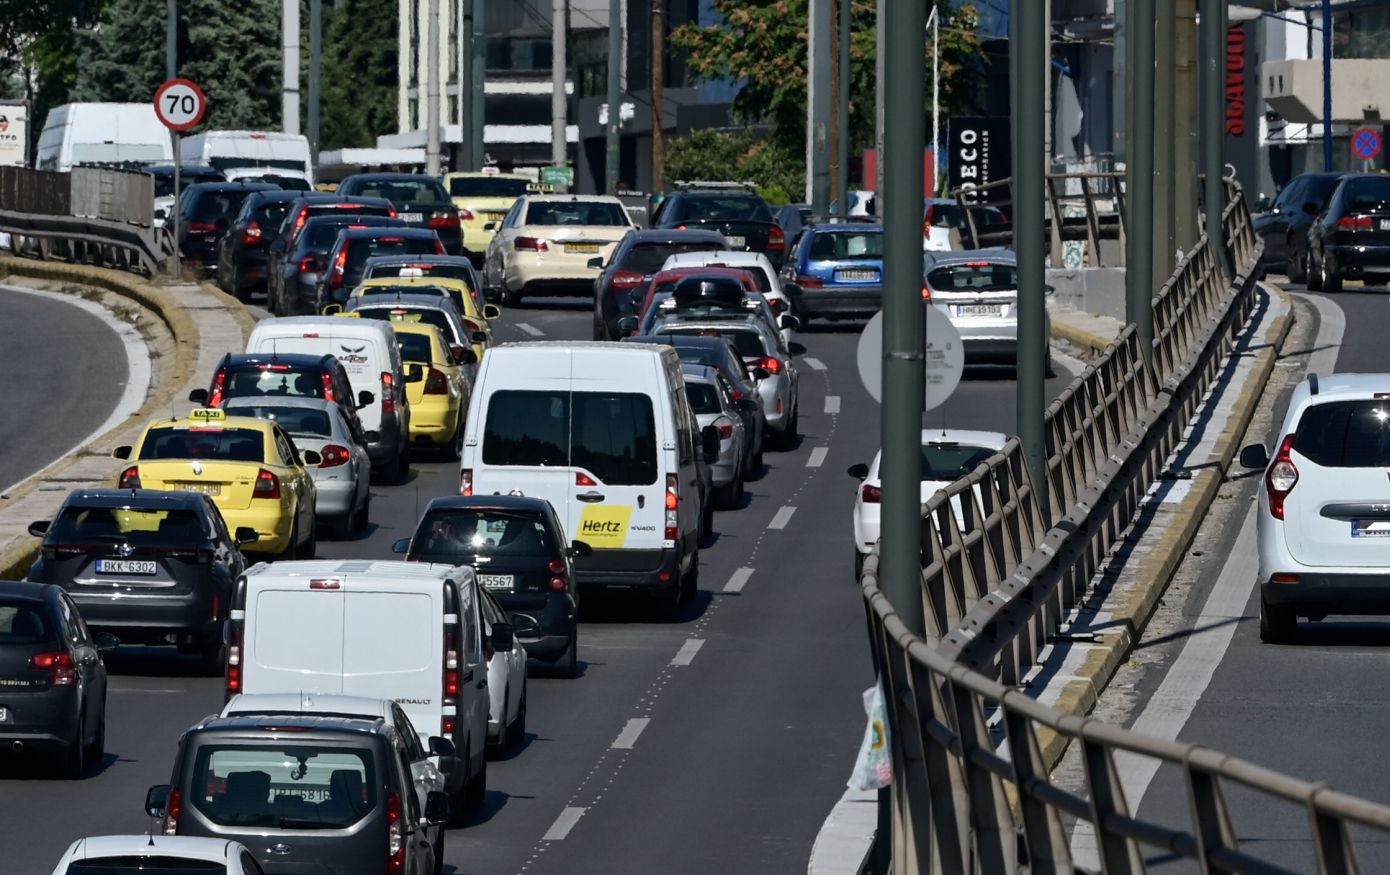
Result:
<point x="466" y="482"/>
<point x="444" y="220"/>
<point x="808" y="282"/>
<point x="388" y="393"/>
<point x="172" y="809"/>
<point x="1355" y="223"/>
<point x="776" y="239"/>
<point x="450" y="679"/>
<point x="466" y="216"/>
<point x="673" y="503"/>
<point x="233" y="680"/>
<point x="627" y="279"/>
<point x="130" y="478"/>
<point x="558" y="583"/>
<point x="200" y="228"/>
<point x="724" y="427"/>
<point x="335" y="279"/>
<point x="771" y="364"/>
<point x="327" y="380"/>
<point x="582" y="479"/>
<point x="926" y="292"/>
<point x="531" y="244"/>
<point x="395" y="835"/>
<point x="299" y="221"/>
<point x="1281" y="478"/>
<point x="436" y="383"/>
<point x="309" y="265"/>
<point x="58" y="663"/>
<point x="219" y="385"/>
<point x="267" y="485"/>
<point x="334" y="455"/>
<point x="251" y="233"/>
<point x="871" y="494"/>
<point x="447" y="725"/>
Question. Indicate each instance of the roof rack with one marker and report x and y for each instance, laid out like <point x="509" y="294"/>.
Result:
<point x="687" y="185"/>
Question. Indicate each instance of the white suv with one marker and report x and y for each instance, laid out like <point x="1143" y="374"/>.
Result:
<point x="1324" y="517"/>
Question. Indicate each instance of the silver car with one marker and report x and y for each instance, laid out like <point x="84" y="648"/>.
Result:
<point x="714" y="406"/>
<point x="977" y="290"/>
<point x="343" y="478"/>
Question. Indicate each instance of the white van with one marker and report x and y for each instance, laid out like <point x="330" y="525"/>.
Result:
<point x="267" y="150"/>
<point x="368" y="352"/>
<point x="406" y="631"/>
<point x="604" y="432"/>
<point x="102" y="133"/>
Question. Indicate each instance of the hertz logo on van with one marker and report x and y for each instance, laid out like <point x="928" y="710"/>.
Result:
<point x="605" y="526"/>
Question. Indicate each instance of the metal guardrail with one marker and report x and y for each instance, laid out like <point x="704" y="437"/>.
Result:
<point x="1098" y="199"/>
<point x="971" y="790"/>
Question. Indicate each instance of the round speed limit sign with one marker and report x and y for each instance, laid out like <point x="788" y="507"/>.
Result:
<point x="180" y="104"/>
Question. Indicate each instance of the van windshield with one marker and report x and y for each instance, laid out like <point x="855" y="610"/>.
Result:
<point x="612" y="435"/>
<point x="283" y="786"/>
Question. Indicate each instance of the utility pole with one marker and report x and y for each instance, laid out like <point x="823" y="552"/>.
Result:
<point x="1029" y="74"/>
<point x="289" y="100"/>
<point x="842" y="150"/>
<point x="613" y="145"/>
<point x="818" y="108"/>
<point x="935" y="17"/>
<point x="1327" y="85"/>
<point x="315" y="76"/>
<point x="432" y="90"/>
<point x="1165" y="79"/>
<point x="880" y="95"/>
<point x="467" y="160"/>
<point x="171" y="40"/>
<point x="559" y="115"/>
<point x="658" y="96"/>
<point x="1139" y="173"/>
<point x="1212" y="32"/>
<point x="477" y="117"/>
<point x="1185" y="126"/>
<point x="836" y="195"/>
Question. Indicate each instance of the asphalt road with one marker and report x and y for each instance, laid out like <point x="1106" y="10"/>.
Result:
<point x="748" y="746"/>
<point x="53" y="351"/>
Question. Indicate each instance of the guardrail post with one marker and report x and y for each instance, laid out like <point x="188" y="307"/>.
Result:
<point x="1048" y="850"/>
<point x="992" y="821"/>
<point x="1118" y="855"/>
<point x="1336" y="852"/>
<point x="1210" y="817"/>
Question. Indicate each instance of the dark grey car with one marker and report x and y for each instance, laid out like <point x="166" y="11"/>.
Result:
<point x="154" y="567"/>
<point x="306" y="794"/>
<point x="52" y="678"/>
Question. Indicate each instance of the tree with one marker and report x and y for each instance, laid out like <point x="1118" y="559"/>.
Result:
<point x="778" y="172"/>
<point x="359" y="73"/>
<point x="762" y="43"/>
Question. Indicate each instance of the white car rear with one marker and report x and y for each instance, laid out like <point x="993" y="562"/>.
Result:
<point x="156" y="853"/>
<point x="506" y="682"/>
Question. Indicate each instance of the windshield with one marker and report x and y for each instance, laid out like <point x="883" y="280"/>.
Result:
<point x="732" y="207"/>
<point x="284" y="380"/>
<point x="132" y="865"/>
<point x="415" y="348"/>
<point x="363" y="248"/>
<point x="23" y="622"/>
<point x="428" y="316"/>
<point x="575" y="213"/>
<point x="1368" y="193"/>
<point x="847" y="246"/>
<point x="649" y="257"/>
<point x="214" y="206"/>
<point x="748" y="344"/>
<point x="422" y="192"/>
<point x="295" y="420"/>
<point x="486" y="186"/>
<point x="288" y="183"/>
<point x="612" y="435"/>
<point x="226" y="444"/>
<point x="1345" y="434"/>
<point x="164" y="182"/>
<point x="322" y="235"/>
<point x="464" y="534"/>
<point x="102" y="525"/>
<point x="459" y="272"/>
<point x="951" y="461"/>
<point x="283" y="786"/>
<point x="704" y="398"/>
<point x="975" y="276"/>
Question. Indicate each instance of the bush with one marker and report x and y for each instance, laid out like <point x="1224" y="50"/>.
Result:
<point x="778" y="172"/>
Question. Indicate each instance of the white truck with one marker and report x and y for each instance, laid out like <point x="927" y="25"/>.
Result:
<point x="256" y="153"/>
<point x="102" y="133"/>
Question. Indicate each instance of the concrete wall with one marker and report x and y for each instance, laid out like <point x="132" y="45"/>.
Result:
<point x="1099" y="290"/>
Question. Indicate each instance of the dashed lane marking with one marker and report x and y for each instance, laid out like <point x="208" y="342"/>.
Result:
<point x="817" y="457"/>
<point x="628" y="737"/>
<point x="686" y="654"/>
<point x="563" y="824"/>
<point x="782" y="517"/>
<point x="832" y="404"/>
<point x="814" y="364"/>
<point x="738" y="580"/>
<point x="530" y="329"/>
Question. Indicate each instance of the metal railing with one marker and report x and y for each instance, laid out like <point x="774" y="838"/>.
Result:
<point x="1082" y="206"/>
<point x="971" y="789"/>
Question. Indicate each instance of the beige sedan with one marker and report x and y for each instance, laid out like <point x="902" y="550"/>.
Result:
<point x="553" y="245"/>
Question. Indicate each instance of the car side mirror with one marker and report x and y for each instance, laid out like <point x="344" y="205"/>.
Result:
<point x="246" y="535"/>
<point x="401" y="546"/>
<point x="436" y="807"/>
<point x="709" y="442"/>
<point x="311" y="458"/>
<point x="198" y="396"/>
<point x="503" y="638"/>
<point x="156" y="800"/>
<point x="106" y="642"/>
<point x="478" y="337"/>
<point x="788" y="321"/>
<point x="490" y="226"/>
<point x="596" y="263"/>
<point x="442" y="747"/>
<point x="580" y="548"/>
<point x="859" y="471"/>
<point x="39" y="528"/>
<point x="492" y="311"/>
<point x="364" y="398"/>
<point x="463" y="354"/>
<point x="760" y="373"/>
<point x="414" y="373"/>
<point x="747" y="405"/>
<point x="627" y="325"/>
<point x="121" y="452"/>
<point x="1311" y="208"/>
<point x="371" y="437"/>
<point x="1254" y="456"/>
<point x="331" y="309"/>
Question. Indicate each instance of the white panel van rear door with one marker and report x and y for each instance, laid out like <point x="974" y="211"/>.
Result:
<point x="393" y="646"/>
<point x="293" y="635"/>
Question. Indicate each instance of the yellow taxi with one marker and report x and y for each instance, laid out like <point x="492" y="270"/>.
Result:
<point x="477" y="315"/>
<point x="249" y="467"/>
<point x="483" y="199"/>
<point x="439" y="402"/>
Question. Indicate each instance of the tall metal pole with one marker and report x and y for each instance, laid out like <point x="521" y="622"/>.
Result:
<point x="178" y="197"/>
<point x="1185" y="125"/>
<point x="289" y="98"/>
<point x="1139" y="181"/>
<point x="477" y="118"/>
<point x="1327" y="85"/>
<point x="467" y="160"/>
<point x="171" y="40"/>
<point x="559" y="114"/>
<point x="658" y="95"/>
<point x="1029" y="74"/>
<point x="1165" y="188"/>
<point x="818" y="107"/>
<point x="1212" y="33"/>
<point x="935" y="97"/>
<point x="880" y="95"/>
<point x="315" y="74"/>
<point x="842" y="150"/>
<point x="613" y="155"/>
<point x="432" y="90"/>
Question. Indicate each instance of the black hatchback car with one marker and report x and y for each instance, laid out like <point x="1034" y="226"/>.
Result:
<point x="517" y="547"/>
<point x="206" y="211"/>
<point x="420" y="201"/>
<point x="348" y="257"/>
<point x="639" y="256"/>
<point x="1350" y="239"/>
<point x="243" y="257"/>
<point x="154" y="567"/>
<point x="734" y="209"/>
<point x="52" y="678"/>
<point x="294" y="274"/>
<point x="1284" y="226"/>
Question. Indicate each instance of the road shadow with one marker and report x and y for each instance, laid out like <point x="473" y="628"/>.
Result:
<point x="157" y="662"/>
<point x="627" y="608"/>
<point x="575" y="304"/>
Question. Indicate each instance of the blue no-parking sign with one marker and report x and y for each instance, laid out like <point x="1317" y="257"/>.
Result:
<point x="1365" y="143"/>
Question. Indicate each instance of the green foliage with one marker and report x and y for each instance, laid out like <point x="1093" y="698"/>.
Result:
<point x="359" y="72"/>
<point x="779" y="172"/>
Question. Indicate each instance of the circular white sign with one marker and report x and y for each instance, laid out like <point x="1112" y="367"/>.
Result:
<point x="945" y="358"/>
<point x="180" y="104"/>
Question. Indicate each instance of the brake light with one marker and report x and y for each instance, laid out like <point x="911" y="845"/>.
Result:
<point x="724" y="427"/>
<point x="673" y="503"/>
<point x="926" y="291"/>
<point x="450" y="680"/>
<point x="334" y="455"/>
<point x="267" y="485"/>
<point x="309" y="265"/>
<point x="558" y="581"/>
<point x="1283" y="578"/>
<point x="436" y="383"/>
<point x="466" y="216"/>
<point x="327" y="379"/>
<point x="219" y="385"/>
<point x="771" y="364"/>
<point x="58" y="663"/>
<point x="388" y="393"/>
<point x="272" y="367"/>
<point x="627" y="279"/>
<point x="1281" y="478"/>
<point x="531" y="244"/>
<point x="444" y="220"/>
<point x="251" y="233"/>
<point x="335" y="279"/>
<point x="395" y="835"/>
<point x="871" y="494"/>
<point x="582" y="479"/>
<point x="234" y="637"/>
<point x="391" y="211"/>
<point x="200" y="228"/>
<point x="172" y="809"/>
<point x="130" y="478"/>
<point x="776" y="239"/>
<point x="447" y="725"/>
<point x="466" y="482"/>
<point x="808" y="282"/>
<point x="1355" y="223"/>
<point x="300" y="219"/>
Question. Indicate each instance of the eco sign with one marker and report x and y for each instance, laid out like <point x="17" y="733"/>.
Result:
<point x="980" y="153"/>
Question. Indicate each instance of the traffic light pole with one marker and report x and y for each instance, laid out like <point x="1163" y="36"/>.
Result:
<point x="1029" y="74"/>
<point x="612" y="144"/>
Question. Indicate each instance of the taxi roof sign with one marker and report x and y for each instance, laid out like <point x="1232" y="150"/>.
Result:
<point x="208" y="414"/>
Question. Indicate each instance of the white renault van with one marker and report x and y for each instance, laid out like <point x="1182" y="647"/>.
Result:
<point x="407" y="631"/>
<point x="368" y="352"/>
<point x="604" y="432"/>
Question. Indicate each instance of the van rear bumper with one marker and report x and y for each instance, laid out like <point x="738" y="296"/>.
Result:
<point x="628" y="569"/>
<point x="1332" y="593"/>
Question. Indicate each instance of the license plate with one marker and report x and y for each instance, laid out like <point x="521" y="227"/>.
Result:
<point x="4" y="714"/>
<point x="1370" y="529"/>
<point x="494" y="217"/>
<point x="736" y="242"/>
<point x="1385" y="224"/>
<point x="979" y="310"/>
<point x="496" y="581"/>
<point x="857" y="274"/>
<point x="205" y="488"/>
<point x="411" y="217"/>
<point x="125" y="566"/>
<point x="582" y="248"/>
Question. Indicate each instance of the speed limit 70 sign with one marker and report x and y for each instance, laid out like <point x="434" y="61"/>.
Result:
<point x="180" y="104"/>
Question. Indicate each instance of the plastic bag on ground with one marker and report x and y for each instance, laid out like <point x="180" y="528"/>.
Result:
<point x="873" y="768"/>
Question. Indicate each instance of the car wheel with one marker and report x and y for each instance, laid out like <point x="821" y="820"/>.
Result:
<point x="439" y="855"/>
<point x="727" y="496"/>
<point x="1278" y="623"/>
<point x="476" y="790"/>
<point x="363" y="516"/>
<point x="758" y="458"/>
<point x="1329" y="279"/>
<point x="71" y="761"/>
<point x="292" y="548"/>
<point x="210" y="654"/>
<point x="454" y="448"/>
<point x="516" y="733"/>
<point x="690" y="581"/>
<point x="311" y="547"/>
<point x="567" y="666"/>
<point x="403" y="466"/>
<point x="97" y="749"/>
<point x="707" y="519"/>
<point x="1297" y="266"/>
<point x="510" y="298"/>
<point x="494" y="746"/>
<point x="1314" y="274"/>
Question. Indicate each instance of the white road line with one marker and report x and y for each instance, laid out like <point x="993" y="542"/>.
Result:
<point x="563" y="824"/>
<point x="628" y="737"/>
<point x="686" y="654"/>
<point x="817" y="457"/>
<point x="832" y="403"/>
<point x="530" y="329"/>
<point x="739" y="580"/>
<point x="814" y="364"/>
<point x="782" y="517"/>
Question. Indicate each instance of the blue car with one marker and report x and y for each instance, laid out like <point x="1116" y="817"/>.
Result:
<point x="836" y="272"/>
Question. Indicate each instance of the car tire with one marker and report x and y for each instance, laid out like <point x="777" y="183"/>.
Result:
<point x="340" y="528"/>
<point x="1278" y="623"/>
<point x="310" y="548"/>
<point x="362" y="518"/>
<point x="727" y="497"/>
<point x="1297" y="266"/>
<point x="707" y="519"/>
<point x="758" y="458"/>
<point x="71" y="761"/>
<point x="690" y="582"/>
<point x="475" y="791"/>
<point x="439" y="854"/>
<point x="97" y="749"/>
<point x="567" y="665"/>
<point x="210" y="656"/>
<point x="494" y="746"/>
<point x="1314" y="274"/>
<point x="510" y="298"/>
<point x="516" y="733"/>
<point x="454" y="449"/>
<point x="1329" y="280"/>
<point x="291" y="550"/>
<point x="402" y="472"/>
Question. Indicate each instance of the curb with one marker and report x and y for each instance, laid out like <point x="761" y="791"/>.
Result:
<point x="1130" y="613"/>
